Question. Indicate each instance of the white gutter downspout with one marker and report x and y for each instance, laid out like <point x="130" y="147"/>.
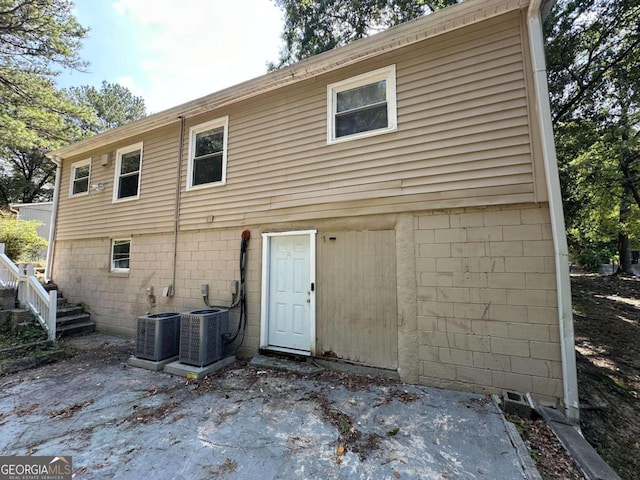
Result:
<point x="543" y="117"/>
<point x="54" y="219"/>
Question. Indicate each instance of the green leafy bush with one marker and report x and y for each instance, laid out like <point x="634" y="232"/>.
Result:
<point x="21" y="240"/>
<point x="590" y="261"/>
<point x="591" y="257"/>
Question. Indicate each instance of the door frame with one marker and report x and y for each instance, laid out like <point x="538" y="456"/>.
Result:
<point x="264" y="307"/>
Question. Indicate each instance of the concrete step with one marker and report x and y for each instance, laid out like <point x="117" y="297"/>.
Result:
<point x="70" y="319"/>
<point x="80" y="317"/>
<point x="67" y="310"/>
<point x="75" y="329"/>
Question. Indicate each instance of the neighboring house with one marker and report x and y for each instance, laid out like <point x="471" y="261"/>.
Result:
<point x="401" y="194"/>
<point x="40" y="212"/>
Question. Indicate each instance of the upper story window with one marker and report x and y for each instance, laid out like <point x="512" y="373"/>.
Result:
<point x="362" y="106"/>
<point x="120" y="255"/>
<point x="208" y="154"/>
<point x="126" y="185"/>
<point x="80" y="174"/>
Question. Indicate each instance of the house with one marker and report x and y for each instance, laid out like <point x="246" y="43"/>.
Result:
<point x="40" y="212"/>
<point x="401" y="195"/>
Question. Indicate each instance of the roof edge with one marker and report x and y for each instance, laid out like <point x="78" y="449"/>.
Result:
<point x="429" y="26"/>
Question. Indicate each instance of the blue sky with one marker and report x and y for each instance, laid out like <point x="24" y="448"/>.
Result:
<point x="173" y="51"/>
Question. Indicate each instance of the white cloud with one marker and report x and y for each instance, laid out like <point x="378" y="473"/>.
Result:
<point x="129" y="82"/>
<point x="192" y="48"/>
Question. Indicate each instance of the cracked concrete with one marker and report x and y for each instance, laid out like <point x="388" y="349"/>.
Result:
<point x="246" y="422"/>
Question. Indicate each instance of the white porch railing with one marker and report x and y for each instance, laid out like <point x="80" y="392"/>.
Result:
<point x="31" y="294"/>
<point x="9" y="272"/>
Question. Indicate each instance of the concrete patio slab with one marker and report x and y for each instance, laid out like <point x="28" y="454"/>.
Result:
<point x="244" y="422"/>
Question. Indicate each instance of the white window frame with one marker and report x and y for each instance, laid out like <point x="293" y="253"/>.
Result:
<point x="203" y="127"/>
<point x="113" y="268"/>
<point x="116" y="178"/>
<point x="74" y="167"/>
<point x="386" y="73"/>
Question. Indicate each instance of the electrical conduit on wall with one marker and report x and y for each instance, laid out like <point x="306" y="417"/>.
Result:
<point x="176" y="215"/>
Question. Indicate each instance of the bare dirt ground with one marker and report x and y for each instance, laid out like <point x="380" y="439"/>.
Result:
<point x="606" y="313"/>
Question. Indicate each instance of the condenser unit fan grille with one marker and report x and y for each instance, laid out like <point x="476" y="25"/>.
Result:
<point x="201" y="336"/>
<point x="157" y="336"/>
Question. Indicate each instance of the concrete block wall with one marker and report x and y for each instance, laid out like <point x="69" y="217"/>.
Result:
<point x="476" y="290"/>
<point x="486" y="300"/>
<point x="115" y="300"/>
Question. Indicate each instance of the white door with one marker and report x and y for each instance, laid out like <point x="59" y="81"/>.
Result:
<point x="289" y="319"/>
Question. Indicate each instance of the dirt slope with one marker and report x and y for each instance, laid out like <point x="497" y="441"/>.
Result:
<point x="607" y="330"/>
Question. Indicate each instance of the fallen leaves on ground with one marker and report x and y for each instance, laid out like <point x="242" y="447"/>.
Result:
<point x="70" y="411"/>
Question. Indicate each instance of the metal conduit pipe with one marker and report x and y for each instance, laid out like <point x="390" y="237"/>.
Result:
<point x="176" y="213"/>
<point x="54" y="217"/>
<point x="563" y="281"/>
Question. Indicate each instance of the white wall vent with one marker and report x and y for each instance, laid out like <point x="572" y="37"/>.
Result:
<point x="105" y="159"/>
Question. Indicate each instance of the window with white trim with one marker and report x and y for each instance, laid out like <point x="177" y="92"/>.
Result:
<point x="80" y="175"/>
<point x="126" y="184"/>
<point x="120" y="254"/>
<point x="362" y="106"/>
<point x="208" y="154"/>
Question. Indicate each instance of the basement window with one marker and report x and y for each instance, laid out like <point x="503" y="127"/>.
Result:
<point x="208" y="154"/>
<point x="80" y="173"/>
<point x="362" y="106"/>
<point x="120" y="255"/>
<point x="128" y="173"/>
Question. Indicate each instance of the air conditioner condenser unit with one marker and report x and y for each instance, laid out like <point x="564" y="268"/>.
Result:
<point x="157" y="336"/>
<point x="201" y="336"/>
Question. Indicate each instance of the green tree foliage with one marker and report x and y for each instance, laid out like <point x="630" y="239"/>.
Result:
<point x="37" y="38"/>
<point x="21" y="240"/>
<point x="593" y="56"/>
<point x="315" y="26"/>
<point x="112" y="105"/>
<point x="27" y="176"/>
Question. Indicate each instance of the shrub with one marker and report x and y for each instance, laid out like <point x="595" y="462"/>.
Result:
<point x="591" y="259"/>
<point x="21" y="240"/>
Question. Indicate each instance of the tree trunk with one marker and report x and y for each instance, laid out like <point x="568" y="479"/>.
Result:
<point x="625" y="254"/>
<point x="624" y="250"/>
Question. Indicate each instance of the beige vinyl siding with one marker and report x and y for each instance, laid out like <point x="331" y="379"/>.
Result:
<point x="462" y="136"/>
<point x="463" y="139"/>
<point x="95" y="215"/>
